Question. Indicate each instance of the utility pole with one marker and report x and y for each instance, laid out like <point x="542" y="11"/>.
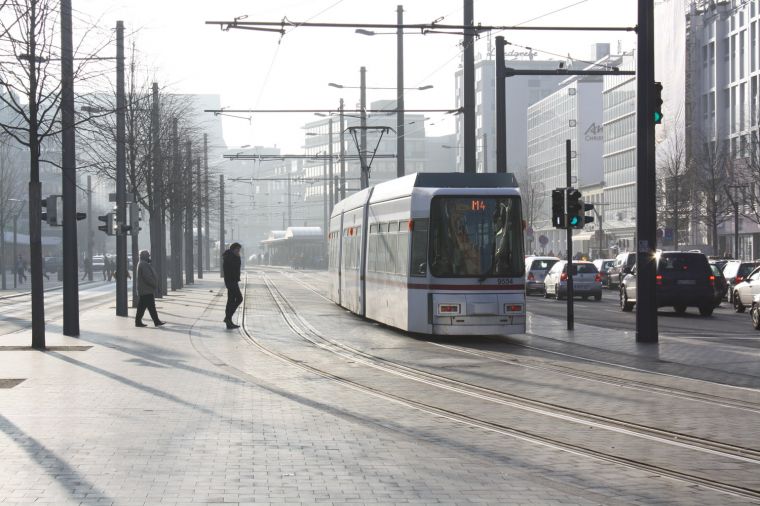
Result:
<point x="121" y="176"/>
<point x="290" y="208"/>
<point x="325" y="184"/>
<point x="15" y="245"/>
<point x="221" y="224"/>
<point x="570" y="291"/>
<point x="400" y="148"/>
<point x="157" y="231"/>
<point x="175" y="212"/>
<point x="199" y="210"/>
<point x="363" y="146"/>
<point x="205" y="201"/>
<point x="90" y="231"/>
<point x="188" y="194"/>
<point x="342" y="152"/>
<point x="646" y="214"/>
<point x="501" y="108"/>
<point x="69" y="178"/>
<point x="468" y="88"/>
<point x="331" y="167"/>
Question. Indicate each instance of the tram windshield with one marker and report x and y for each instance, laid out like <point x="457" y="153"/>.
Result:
<point x="477" y="236"/>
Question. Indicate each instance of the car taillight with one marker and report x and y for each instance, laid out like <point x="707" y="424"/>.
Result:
<point x="658" y="279"/>
<point x="563" y="276"/>
<point x="448" y="308"/>
<point x="512" y="308"/>
<point x="598" y="278"/>
<point x="531" y="277"/>
<point x="712" y="280"/>
<point x="738" y="279"/>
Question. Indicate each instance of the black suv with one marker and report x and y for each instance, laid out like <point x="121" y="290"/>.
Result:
<point x="682" y="280"/>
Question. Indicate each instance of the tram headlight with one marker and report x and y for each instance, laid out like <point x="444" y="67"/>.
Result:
<point x="449" y="309"/>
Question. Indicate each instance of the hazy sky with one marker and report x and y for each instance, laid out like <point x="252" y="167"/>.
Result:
<point x="263" y="70"/>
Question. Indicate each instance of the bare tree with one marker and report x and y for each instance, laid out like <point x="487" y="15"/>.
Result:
<point x="533" y="196"/>
<point x="674" y="187"/>
<point x="11" y="199"/>
<point x="711" y="180"/>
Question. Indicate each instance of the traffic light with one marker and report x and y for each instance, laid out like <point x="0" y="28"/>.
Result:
<point x="574" y="208"/>
<point x="135" y="217"/>
<point x="587" y="219"/>
<point x="657" y="103"/>
<point x="109" y="226"/>
<point x="81" y="216"/>
<point x="558" y="208"/>
<point x="51" y="214"/>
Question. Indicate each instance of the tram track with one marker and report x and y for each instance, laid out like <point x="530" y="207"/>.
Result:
<point x="692" y="443"/>
<point x="653" y="387"/>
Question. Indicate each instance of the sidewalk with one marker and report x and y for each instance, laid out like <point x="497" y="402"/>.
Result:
<point x="49" y="284"/>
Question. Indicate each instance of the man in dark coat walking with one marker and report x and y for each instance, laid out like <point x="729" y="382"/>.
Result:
<point x="231" y="269"/>
<point x="147" y="281"/>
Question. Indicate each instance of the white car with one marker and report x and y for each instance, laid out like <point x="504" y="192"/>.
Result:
<point x="587" y="282"/>
<point x="745" y="291"/>
<point x="535" y="271"/>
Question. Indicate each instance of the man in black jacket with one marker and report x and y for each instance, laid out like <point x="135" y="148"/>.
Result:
<point x="231" y="268"/>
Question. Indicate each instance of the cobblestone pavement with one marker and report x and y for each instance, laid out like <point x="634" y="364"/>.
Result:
<point x="193" y="414"/>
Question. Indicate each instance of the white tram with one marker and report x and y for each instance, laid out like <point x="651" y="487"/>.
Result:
<point x="432" y="253"/>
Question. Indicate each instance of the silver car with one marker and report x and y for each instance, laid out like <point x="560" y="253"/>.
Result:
<point x="535" y="270"/>
<point x="587" y="282"/>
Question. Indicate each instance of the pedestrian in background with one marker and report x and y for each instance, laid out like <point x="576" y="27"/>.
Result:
<point x="20" y="268"/>
<point x="231" y="269"/>
<point x="147" y="281"/>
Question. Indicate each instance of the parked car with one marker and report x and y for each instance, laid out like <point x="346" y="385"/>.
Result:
<point x="683" y="279"/>
<point x="624" y="262"/>
<point x="754" y="312"/>
<point x="603" y="266"/>
<point x="735" y="271"/>
<point x="744" y="292"/>
<point x="587" y="281"/>
<point x="721" y="285"/>
<point x="535" y="271"/>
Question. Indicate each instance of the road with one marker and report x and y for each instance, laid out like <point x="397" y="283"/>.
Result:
<point x="723" y="324"/>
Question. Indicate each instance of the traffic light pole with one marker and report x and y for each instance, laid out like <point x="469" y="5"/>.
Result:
<point x="646" y="214"/>
<point x="570" y="291"/>
<point x="121" y="177"/>
<point x="68" y="175"/>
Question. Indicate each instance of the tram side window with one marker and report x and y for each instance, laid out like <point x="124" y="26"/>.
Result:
<point x="372" y="248"/>
<point x="390" y="267"/>
<point x="357" y="246"/>
<point x="402" y="249"/>
<point x="419" y="248"/>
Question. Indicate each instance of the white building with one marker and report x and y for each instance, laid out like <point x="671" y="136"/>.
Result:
<point x="521" y="91"/>
<point x="573" y="112"/>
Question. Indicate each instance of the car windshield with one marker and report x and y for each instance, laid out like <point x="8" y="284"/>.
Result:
<point x="542" y="265"/>
<point x="745" y="269"/>
<point x="682" y="263"/>
<point x="716" y="272"/>
<point x="476" y="237"/>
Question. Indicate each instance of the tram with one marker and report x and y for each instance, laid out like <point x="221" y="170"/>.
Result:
<point x="432" y="253"/>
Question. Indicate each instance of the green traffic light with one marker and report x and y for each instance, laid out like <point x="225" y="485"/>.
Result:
<point x="657" y="117"/>
<point x="574" y="220"/>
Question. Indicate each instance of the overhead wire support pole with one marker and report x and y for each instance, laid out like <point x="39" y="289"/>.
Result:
<point x="342" y="152"/>
<point x="501" y="108"/>
<point x="363" y="122"/>
<point x="188" y="221"/>
<point x="221" y="224"/>
<point x="646" y="213"/>
<point x="468" y="87"/>
<point x="400" y="139"/>
<point x="121" y="176"/>
<point x="207" y="236"/>
<point x="68" y="176"/>
<point x="199" y="215"/>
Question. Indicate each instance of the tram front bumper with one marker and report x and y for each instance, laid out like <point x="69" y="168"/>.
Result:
<point x="477" y="314"/>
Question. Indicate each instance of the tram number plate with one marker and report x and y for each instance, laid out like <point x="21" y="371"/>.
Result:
<point x="503" y="281"/>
